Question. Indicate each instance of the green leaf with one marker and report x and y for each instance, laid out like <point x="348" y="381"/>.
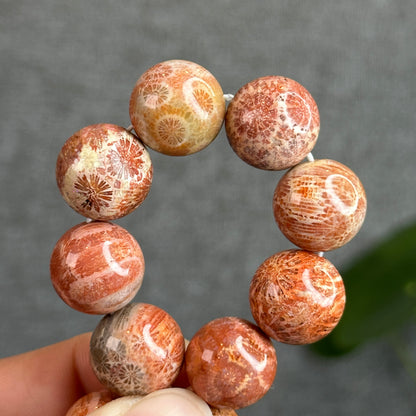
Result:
<point x="381" y="294"/>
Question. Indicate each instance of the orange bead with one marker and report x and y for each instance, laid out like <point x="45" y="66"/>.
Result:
<point x="97" y="267"/>
<point x="137" y="350"/>
<point x="319" y="205"/>
<point x="104" y="172"/>
<point x="230" y="363"/>
<point x="88" y="403"/>
<point x="223" y="412"/>
<point x="177" y="107"/>
<point x="272" y="123"/>
<point x="297" y="297"/>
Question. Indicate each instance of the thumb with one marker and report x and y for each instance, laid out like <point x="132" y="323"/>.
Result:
<point x="172" y="402"/>
<point x="167" y="402"/>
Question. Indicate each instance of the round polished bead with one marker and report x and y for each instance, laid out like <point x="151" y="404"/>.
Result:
<point x="137" y="350"/>
<point x="230" y="363"/>
<point x="97" y="267"/>
<point x="319" y="205"/>
<point x="103" y="172"/>
<point x="88" y="403"/>
<point x="177" y="107"/>
<point x="272" y="123"/>
<point x="297" y="297"/>
<point x="223" y="412"/>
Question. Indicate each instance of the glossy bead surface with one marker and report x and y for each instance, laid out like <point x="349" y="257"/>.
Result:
<point x="177" y="107"/>
<point x="97" y="267"/>
<point x="89" y="403"/>
<point x="272" y="123"/>
<point x="230" y="363"/>
<point x="137" y="350"/>
<point x="297" y="297"/>
<point x="104" y="172"/>
<point x="319" y="205"/>
<point x="223" y="412"/>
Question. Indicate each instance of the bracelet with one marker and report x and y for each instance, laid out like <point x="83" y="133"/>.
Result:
<point x="297" y="296"/>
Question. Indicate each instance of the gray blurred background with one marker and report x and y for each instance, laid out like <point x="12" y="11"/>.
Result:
<point x="207" y="223"/>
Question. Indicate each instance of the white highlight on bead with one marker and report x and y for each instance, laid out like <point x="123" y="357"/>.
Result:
<point x="72" y="260"/>
<point x="160" y="352"/>
<point x="207" y="355"/>
<point x="331" y="188"/>
<point x="112" y="343"/>
<point x="320" y="253"/>
<point x="283" y="107"/>
<point x="257" y="365"/>
<point x="188" y="90"/>
<point x="310" y="157"/>
<point x="228" y="97"/>
<point x="318" y="297"/>
<point x="112" y="263"/>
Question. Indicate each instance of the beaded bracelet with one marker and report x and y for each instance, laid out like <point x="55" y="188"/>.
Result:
<point x="296" y="296"/>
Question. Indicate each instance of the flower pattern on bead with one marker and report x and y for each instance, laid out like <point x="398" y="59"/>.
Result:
<point x="158" y="72"/>
<point x="127" y="376"/>
<point x="298" y="110"/>
<point x="96" y="191"/>
<point x="103" y="363"/>
<point x="256" y="117"/>
<point x="125" y="160"/>
<point x="154" y="95"/>
<point x="172" y="130"/>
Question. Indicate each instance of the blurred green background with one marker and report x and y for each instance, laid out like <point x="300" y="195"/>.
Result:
<point x="381" y="293"/>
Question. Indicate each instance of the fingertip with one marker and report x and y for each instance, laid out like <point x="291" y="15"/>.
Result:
<point x="82" y="363"/>
<point x="172" y="401"/>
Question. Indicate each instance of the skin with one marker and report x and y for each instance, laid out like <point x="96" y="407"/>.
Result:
<point x="48" y="380"/>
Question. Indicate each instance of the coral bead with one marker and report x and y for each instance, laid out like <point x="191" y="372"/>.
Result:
<point x="103" y="172"/>
<point x="223" y="412"/>
<point x="272" y="123"/>
<point x="97" y="267"/>
<point x="297" y="297"/>
<point x="230" y="363"/>
<point x="137" y="350"/>
<point x="320" y="205"/>
<point x="88" y="403"/>
<point x="177" y="107"/>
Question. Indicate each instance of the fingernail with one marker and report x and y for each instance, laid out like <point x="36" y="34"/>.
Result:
<point x="118" y="407"/>
<point x="172" y="402"/>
